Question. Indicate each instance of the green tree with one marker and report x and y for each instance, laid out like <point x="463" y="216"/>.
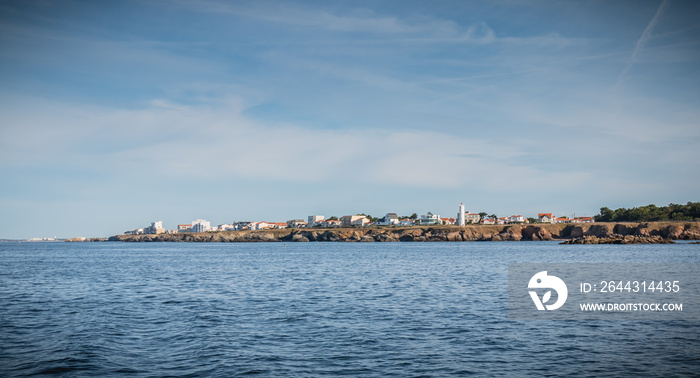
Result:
<point x="606" y="215"/>
<point x="651" y="213"/>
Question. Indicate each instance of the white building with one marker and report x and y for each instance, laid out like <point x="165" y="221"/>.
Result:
<point x="201" y="225"/>
<point x="154" y="228"/>
<point x="260" y="225"/>
<point x="315" y="220"/>
<point x="390" y="219"/>
<point x="429" y="219"/>
<point x="460" y="215"/>
<point x="330" y="223"/>
<point x="516" y="219"/>
<point x="406" y="222"/>
<point x="353" y="220"/>
<point x="225" y="227"/>
<point x="546" y="218"/>
<point x="360" y="222"/>
<point x="296" y="223"/>
<point x="470" y="217"/>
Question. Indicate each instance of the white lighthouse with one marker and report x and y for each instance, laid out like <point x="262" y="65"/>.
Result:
<point x="460" y="215"/>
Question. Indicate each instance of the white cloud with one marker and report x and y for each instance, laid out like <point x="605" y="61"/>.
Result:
<point x="210" y="141"/>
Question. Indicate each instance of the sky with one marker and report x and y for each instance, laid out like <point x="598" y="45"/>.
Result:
<point x="115" y="114"/>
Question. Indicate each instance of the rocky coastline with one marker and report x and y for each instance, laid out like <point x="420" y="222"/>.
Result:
<point x="619" y="239"/>
<point x="627" y="233"/>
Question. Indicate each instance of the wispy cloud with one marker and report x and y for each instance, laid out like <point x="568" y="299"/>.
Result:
<point x="415" y="29"/>
<point x="646" y="35"/>
<point x="209" y="141"/>
<point x="366" y="21"/>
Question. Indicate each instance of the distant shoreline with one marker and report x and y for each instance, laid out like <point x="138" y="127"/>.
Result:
<point x="532" y="232"/>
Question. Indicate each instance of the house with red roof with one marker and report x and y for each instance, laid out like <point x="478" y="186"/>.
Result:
<point x="545" y="218"/>
<point x="406" y="222"/>
<point x="330" y="223"/>
<point x="516" y="219"/>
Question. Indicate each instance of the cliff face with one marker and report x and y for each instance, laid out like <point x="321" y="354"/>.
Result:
<point x="671" y="230"/>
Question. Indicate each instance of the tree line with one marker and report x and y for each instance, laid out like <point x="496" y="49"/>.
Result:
<point x="651" y="213"/>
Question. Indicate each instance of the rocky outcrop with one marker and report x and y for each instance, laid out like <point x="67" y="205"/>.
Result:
<point x="673" y="231"/>
<point x="625" y="229"/>
<point x="602" y="230"/>
<point x="669" y="230"/>
<point x="510" y="233"/>
<point x="687" y="231"/>
<point x="536" y="232"/>
<point x="619" y="239"/>
<point x="576" y="232"/>
<point x="646" y="230"/>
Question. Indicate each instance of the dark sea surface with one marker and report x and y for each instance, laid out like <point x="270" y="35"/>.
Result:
<point x="311" y="309"/>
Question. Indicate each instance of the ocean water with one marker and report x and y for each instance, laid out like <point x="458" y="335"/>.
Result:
<point x="313" y="309"/>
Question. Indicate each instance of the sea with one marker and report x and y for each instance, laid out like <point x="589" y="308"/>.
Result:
<point x="314" y="309"/>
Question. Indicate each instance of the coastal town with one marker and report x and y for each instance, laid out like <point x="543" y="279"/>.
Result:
<point x="462" y="218"/>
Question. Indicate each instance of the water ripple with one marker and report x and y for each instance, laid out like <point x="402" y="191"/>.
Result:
<point x="402" y="309"/>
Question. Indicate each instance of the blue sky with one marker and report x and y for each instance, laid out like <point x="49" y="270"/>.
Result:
<point x="116" y="114"/>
